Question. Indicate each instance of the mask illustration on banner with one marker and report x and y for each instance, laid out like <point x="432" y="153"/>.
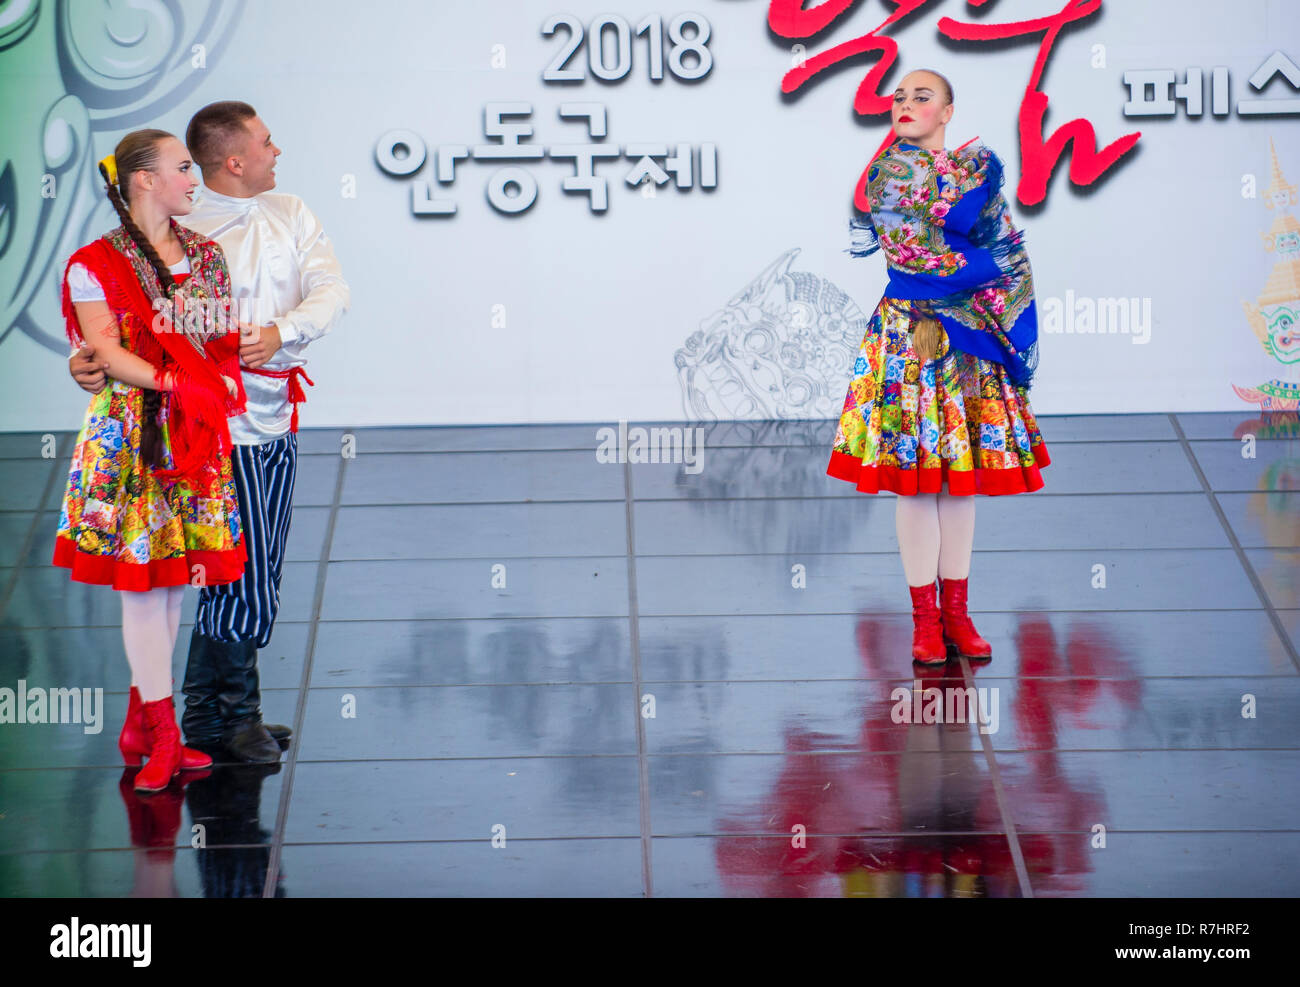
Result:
<point x="1274" y="316"/>
<point x="1273" y="319"/>
<point x="777" y="350"/>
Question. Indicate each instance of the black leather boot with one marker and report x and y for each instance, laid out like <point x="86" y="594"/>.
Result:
<point x="247" y="740"/>
<point x="240" y="701"/>
<point x="278" y="731"/>
<point x="202" y="718"/>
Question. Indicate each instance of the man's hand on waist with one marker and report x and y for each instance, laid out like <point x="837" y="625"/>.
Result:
<point x="86" y="370"/>
<point x="257" y="344"/>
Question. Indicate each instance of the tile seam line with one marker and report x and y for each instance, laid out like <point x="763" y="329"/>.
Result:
<point x="300" y="709"/>
<point x="826" y="680"/>
<point x="828" y="752"/>
<point x="730" y="446"/>
<point x="29" y="540"/>
<point x="881" y="834"/>
<point x="788" y="553"/>
<point x="684" y="499"/>
<point x="1256" y="583"/>
<point x="634" y="641"/>
<point x="1283" y="677"/>
<point x="670" y="616"/>
<point x="1000" y="795"/>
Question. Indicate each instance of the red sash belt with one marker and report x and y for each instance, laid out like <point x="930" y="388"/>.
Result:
<point x="296" y="394"/>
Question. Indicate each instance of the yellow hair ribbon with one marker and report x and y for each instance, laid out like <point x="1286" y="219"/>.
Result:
<point x="108" y="168"/>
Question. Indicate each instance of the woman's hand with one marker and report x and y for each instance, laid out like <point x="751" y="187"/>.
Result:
<point x="231" y="387"/>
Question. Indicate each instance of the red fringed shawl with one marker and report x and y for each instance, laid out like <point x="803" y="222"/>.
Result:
<point x="199" y="404"/>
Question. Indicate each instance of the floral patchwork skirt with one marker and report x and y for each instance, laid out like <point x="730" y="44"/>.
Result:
<point x="121" y="526"/>
<point x="909" y="426"/>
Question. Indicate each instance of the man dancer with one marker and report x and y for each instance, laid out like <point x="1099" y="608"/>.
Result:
<point x="285" y="277"/>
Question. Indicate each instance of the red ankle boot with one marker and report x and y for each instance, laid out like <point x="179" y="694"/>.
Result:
<point x="959" y="634"/>
<point x="133" y="742"/>
<point x="927" y="632"/>
<point x="164" y="746"/>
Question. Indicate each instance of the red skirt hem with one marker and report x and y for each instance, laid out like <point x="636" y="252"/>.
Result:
<point x="102" y="570"/>
<point x="961" y="483"/>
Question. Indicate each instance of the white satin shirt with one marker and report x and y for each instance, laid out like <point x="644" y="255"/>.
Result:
<point x="282" y="270"/>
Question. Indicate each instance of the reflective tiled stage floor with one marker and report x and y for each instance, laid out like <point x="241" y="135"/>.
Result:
<point x="516" y="670"/>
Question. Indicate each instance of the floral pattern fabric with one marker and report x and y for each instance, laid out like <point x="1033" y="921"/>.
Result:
<point x="120" y="525"/>
<point x="913" y="427"/>
<point x="962" y="421"/>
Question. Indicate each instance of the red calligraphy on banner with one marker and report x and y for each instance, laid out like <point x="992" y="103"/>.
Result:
<point x="1039" y="156"/>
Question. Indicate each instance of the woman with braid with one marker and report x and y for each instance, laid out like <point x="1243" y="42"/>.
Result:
<point x="150" y="504"/>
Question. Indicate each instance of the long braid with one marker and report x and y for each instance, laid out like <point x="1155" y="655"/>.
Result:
<point x="151" y="445"/>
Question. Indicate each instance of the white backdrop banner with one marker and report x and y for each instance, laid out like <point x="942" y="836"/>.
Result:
<point x="633" y="210"/>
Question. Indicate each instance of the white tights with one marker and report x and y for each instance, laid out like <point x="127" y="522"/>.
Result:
<point x="150" y="622"/>
<point x="935" y="535"/>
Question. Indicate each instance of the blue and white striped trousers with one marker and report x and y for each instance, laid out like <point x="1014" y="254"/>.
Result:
<point x="245" y="610"/>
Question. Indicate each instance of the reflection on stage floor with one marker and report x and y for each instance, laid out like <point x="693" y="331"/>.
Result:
<point x="516" y="670"/>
